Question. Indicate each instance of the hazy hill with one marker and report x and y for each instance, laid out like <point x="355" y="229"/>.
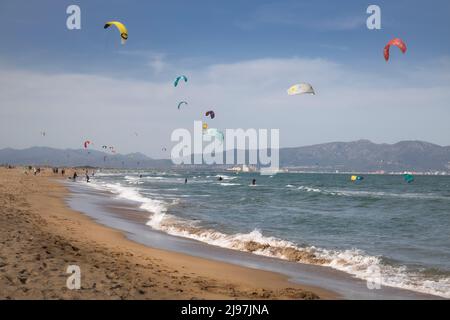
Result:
<point x="77" y="157"/>
<point x="365" y="155"/>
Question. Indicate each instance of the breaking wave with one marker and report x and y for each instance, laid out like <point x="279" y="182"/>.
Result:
<point x="370" y="194"/>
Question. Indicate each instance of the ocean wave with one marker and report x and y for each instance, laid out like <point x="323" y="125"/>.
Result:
<point x="309" y="189"/>
<point x="108" y="174"/>
<point x="370" y="268"/>
<point x="225" y="177"/>
<point x="380" y="194"/>
<point x="131" y="178"/>
<point x="155" y="178"/>
<point x="133" y="194"/>
<point x="354" y="262"/>
<point x="370" y="194"/>
<point x="229" y="184"/>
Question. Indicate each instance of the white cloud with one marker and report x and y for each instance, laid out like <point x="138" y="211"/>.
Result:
<point x="155" y="60"/>
<point x="299" y="14"/>
<point x="391" y="103"/>
<point x="158" y="63"/>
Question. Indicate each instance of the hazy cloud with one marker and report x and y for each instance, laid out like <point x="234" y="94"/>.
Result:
<point x="299" y="14"/>
<point x="387" y="104"/>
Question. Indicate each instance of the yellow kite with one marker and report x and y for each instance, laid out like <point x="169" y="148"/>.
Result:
<point x="301" y="88"/>
<point x="122" y="29"/>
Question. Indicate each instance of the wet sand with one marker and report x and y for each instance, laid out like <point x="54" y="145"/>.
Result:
<point x="40" y="237"/>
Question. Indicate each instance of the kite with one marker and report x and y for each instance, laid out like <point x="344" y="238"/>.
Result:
<point x="213" y="132"/>
<point x="179" y="104"/>
<point x="408" y="177"/>
<point x="394" y="42"/>
<point x="301" y="88"/>
<point x="121" y="27"/>
<point x="178" y="79"/>
<point x="210" y="114"/>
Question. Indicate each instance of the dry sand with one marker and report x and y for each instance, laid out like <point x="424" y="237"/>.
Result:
<point x="40" y="237"/>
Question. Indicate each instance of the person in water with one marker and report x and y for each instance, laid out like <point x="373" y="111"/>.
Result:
<point x="185" y="180"/>
<point x="75" y="176"/>
<point x="220" y="179"/>
<point x="87" y="177"/>
<point x="254" y="182"/>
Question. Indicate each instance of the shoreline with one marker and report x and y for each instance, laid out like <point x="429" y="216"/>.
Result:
<point x="41" y="236"/>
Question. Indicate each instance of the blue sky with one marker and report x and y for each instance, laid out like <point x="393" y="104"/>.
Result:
<point x="240" y="57"/>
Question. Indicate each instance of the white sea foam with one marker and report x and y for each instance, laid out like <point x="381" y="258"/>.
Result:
<point x="354" y="262"/>
<point x="108" y="174"/>
<point x="133" y="194"/>
<point x="359" y="264"/>
<point x="371" y="194"/>
<point x="133" y="180"/>
<point x="225" y="177"/>
<point x="380" y="194"/>
<point x="309" y="189"/>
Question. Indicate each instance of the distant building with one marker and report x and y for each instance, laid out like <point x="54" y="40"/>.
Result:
<point x="243" y="168"/>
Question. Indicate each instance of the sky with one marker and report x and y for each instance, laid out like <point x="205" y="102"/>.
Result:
<point x="239" y="56"/>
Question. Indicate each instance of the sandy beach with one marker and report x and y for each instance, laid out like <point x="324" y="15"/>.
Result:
<point x="40" y="237"/>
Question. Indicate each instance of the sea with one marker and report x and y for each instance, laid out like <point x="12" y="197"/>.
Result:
<point x="380" y="228"/>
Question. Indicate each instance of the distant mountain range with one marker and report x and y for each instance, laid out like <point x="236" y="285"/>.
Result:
<point x="361" y="155"/>
<point x="364" y="155"/>
<point x="43" y="156"/>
